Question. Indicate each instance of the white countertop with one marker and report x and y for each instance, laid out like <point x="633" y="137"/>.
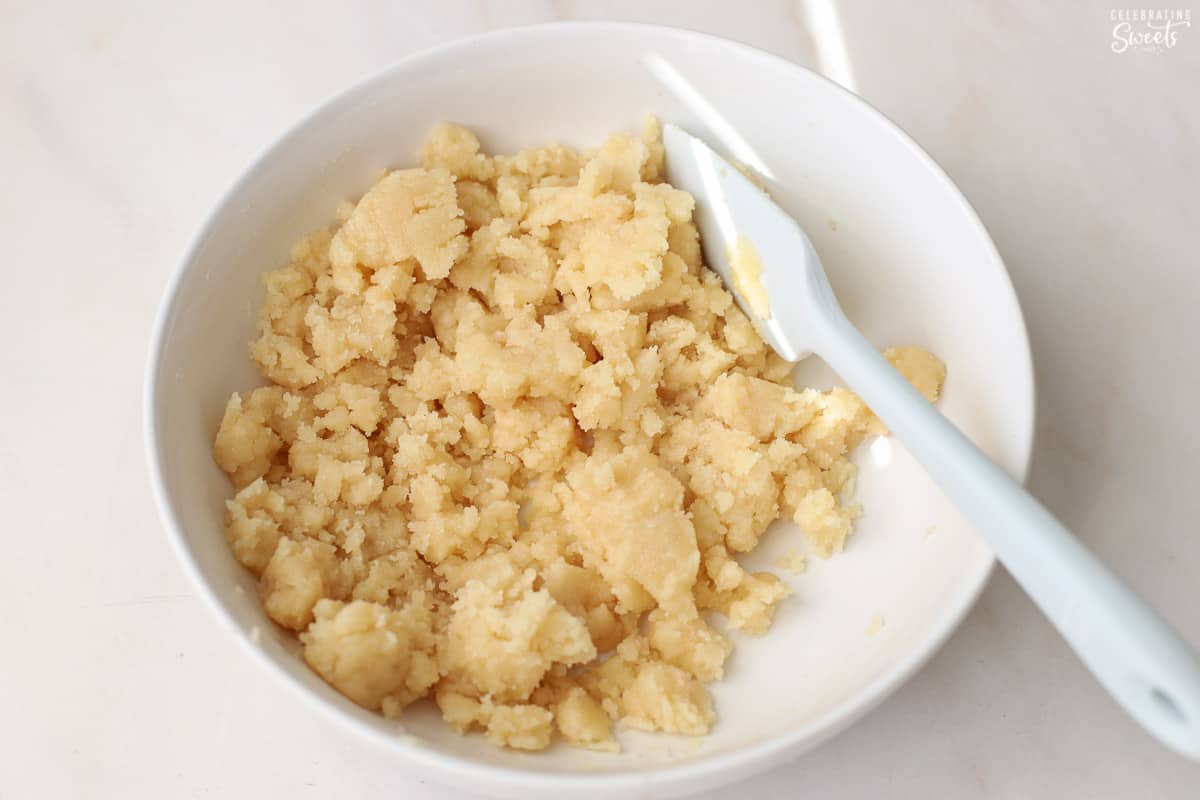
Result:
<point x="123" y="121"/>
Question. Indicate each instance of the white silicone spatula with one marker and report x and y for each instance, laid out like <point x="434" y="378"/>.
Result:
<point x="1130" y="649"/>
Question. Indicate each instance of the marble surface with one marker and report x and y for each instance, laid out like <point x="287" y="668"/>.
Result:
<point x="123" y="121"/>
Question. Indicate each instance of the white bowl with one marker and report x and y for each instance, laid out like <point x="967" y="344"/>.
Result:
<point x="906" y="254"/>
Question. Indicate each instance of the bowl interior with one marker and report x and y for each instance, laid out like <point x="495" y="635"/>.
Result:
<point x="905" y="253"/>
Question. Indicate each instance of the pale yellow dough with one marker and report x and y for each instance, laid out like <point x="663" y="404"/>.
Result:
<point x="514" y="437"/>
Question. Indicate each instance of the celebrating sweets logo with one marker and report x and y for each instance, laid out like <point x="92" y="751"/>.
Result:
<point x="1148" y="30"/>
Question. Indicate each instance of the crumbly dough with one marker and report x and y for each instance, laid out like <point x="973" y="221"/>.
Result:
<point x="514" y="437"/>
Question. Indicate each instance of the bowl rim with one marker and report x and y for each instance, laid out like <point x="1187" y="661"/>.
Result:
<point x="712" y="771"/>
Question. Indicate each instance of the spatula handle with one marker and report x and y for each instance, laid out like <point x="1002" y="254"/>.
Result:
<point x="1142" y="662"/>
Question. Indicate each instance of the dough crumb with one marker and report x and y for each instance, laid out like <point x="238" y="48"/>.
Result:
<point x="923" y="369"/>
<point x="792" y="561"/>
<point x="876" y="625"/>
